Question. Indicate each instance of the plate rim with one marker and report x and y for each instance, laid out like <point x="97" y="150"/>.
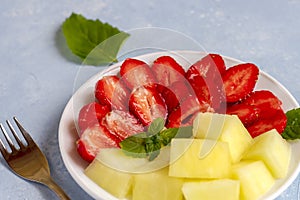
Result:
<point x="81" y="181"/>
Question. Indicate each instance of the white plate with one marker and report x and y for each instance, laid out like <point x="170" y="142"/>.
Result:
<point x="68" y="134"/>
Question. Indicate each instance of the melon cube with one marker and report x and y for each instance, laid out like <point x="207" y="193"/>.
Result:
<point x="255" y="179"/>
<point x="114" y="156"/>
<point x="157" y="185"/>
<point x="226" y="128"/>
<point x="198" y="158"/>
<point x="275" y="151"/>
<point x="225" y="189"/>
<point x="115" y="182"/>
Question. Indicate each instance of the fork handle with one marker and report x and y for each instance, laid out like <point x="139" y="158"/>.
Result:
<point x="56" y="188"/>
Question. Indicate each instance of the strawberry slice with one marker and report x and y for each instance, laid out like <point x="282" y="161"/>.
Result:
<point x="207" y="67"/>
<point x="247" y="114"/>
<point x="186" y="112"/>
<point x="176" y="93"/>
<point x="136" y="73"/>
<point x="205" y="78"/>
<point x="278" y="122"/>
<point x="147" y="105"/>
<point x="93" y="140"/>
<point x="91" y="114"/>
<point x="122" y="124"/>
<point x="167" y="71"/>
<point x="265" y="102"/>
<point x="239" y="81"/>
<point x="110" y="91"/>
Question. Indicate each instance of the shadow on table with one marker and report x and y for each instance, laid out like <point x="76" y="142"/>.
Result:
<point x="61" y="45"/>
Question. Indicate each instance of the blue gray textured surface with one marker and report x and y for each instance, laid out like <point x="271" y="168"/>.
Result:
<point x="37" y="71"/>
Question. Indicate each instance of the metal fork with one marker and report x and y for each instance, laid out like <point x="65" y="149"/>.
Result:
<point x="28" y="161"/>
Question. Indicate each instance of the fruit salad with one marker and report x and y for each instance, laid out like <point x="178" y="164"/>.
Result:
<point x="199" y="116"/>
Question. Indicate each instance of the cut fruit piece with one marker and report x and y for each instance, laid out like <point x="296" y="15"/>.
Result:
<point x="157" y="185"/>
<point x="91" y="114"/>
<point x="185" y="113"/>
<point x="225" y="128"/>
<point x="117" y="183"/>
<point x="265" y="102"/>
<point x="167" y="71"/>
<point x="275" y="151"/>
<point x="136" y="73"/>
<point x="248" y="114"/>
<point x="278" y="122"/>
<point x="224" y="189"/>
<point x="93" y="139"/>
<point x="118" y="160"/>
<point x="122" y="124"/>
<point x="146" y="104"/>
<point x="112" y="92"/>
<point x="239" y="81"/>
<point x="255" y="179"/>
<point x="197" y="158"/>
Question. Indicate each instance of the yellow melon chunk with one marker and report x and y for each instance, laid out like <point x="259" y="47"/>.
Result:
<point x="254" y="177"/>
<point x="226" y="128"/>
<point x="115" y="182"/>
<point x="157" y="185"/>
<point x="224" y="189"/>
<point x="198" y="158"/>
<point x="275" y="151"/>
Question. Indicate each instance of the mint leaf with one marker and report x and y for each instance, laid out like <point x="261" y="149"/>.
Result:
<point x="95" y="42"/>
<point x="134" y="146"/>
<point x="156" y="126"/>
<point x="153" y="145"/>
<point x="292" y="130"/>
<point x="168" y="134"/>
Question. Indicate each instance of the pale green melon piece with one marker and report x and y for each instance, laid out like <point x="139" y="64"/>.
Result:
<point x="198" y="158"/>
<point x="115" y="182"/>
<point x="221" y="189"/>
<point x="275" y="151"/>
<point x="225" y="128"/>
<point x="157" y="186"/>
<point x="255" y="179"/>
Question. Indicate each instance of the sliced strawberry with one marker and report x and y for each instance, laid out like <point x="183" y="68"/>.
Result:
<point x="265" y="102"/>
<point x="167" y="71"/>
<point x="91" y="114"/>
<point x="147" y="105"/>
<point x="110" y="91"/>
<point x="207" y="67"/>
<point x="176" y="93"/>
<point x="186" y="112"/>
<point x="278" y="122"/>
<point x="247" y="114"/>
<point x="93" y="140"/>
<point x="136" y="73"/>
<point x="205" y="78"/>
<point x="239" y="81"/>
<point x="122" y="124"/>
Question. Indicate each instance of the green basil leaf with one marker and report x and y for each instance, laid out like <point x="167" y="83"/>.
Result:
<point x="292" y="130"/>
<point x="156" y="126"/>
<point x="152" y="147"/>
<point x="168" y="134"/>
<point x="93" y="41"/>
<point x="134" y="146"/>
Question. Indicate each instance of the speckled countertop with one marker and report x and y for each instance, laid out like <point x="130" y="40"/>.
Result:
<point x="37" y="71"/>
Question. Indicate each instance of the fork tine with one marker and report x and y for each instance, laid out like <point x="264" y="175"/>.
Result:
<point x="21" y="145"/>
<point x="25" y="134"/>
<point x="3" y="149"/>
<point x="11" y="145"/>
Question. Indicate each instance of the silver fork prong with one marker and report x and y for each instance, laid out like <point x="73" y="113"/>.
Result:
<point x="21" y="145"/>
<point x="3" y="149"/>
<point x="10" y="143"/>
<point x="25" y="134"/>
